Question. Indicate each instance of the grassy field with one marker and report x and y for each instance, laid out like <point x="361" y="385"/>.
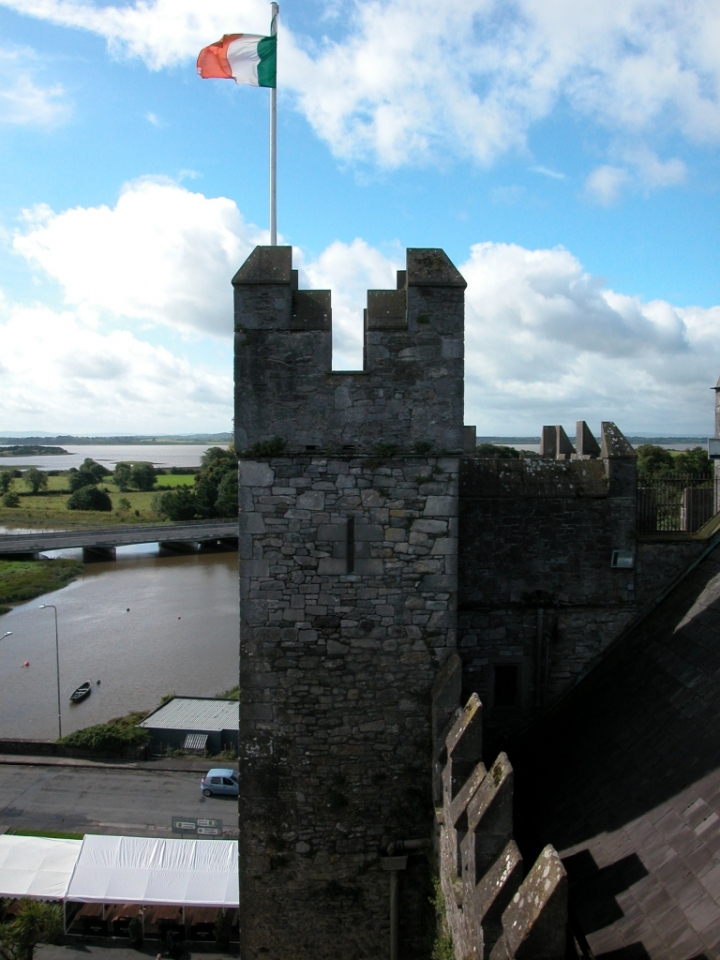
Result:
<point x="48" y="510"/>
<point x="22" y="580"/>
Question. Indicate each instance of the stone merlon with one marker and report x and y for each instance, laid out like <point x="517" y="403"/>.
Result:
<point x="409" y="394"/>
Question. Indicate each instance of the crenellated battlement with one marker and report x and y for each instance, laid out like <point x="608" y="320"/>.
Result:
<point x="409" y="394"/>
<point x="493" y="911"/>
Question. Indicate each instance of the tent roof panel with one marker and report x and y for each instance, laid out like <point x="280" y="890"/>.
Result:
<point x="199" y="873"/>
<point x="38" y="867"/>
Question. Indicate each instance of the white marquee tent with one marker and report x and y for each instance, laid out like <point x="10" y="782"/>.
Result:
<point x="101" y="869"/>
<point x="37" y="867"/>
<point x="150" y="870"/>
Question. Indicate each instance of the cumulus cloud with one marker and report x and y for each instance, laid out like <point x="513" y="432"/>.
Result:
<point x="161" y="254"/>
<point x="24" y="100"/>
<point x="644" y="171"/>
<point x="349" y="270"/>
<point x="58" y="374"/>
<point x="160" y="32"/>
<point x="546" y="342"/>
<point x="408" y="81"/>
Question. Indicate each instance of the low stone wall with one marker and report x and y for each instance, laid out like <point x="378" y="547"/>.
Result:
<point x="492" y="910"/>
<point x="49" y="748"/>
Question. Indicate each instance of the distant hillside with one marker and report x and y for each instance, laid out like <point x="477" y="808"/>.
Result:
<point x="25" y="442"/>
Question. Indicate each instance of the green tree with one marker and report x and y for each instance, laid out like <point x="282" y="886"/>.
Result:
<point x="78" y="479"/>
<point x="11" y="499"/>
<point x="143" y="476"/>
<point x="694" y="462"/>
<point x="177" y="504"/>
<point x="216" y="464"/>
<point x="89" y="472"/>
<point x="123" y="476"/>
<point x="36" y="479"/>
<point x="654" y="461"/>
<point x="6" y="479"/>
<point x="34" y="922"/>
<point x="497" y="451"/>
<point x="226" y="504"/>
<point x="89" y="498"/>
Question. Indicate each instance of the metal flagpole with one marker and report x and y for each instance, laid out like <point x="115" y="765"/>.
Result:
<point x="273" y="141"/>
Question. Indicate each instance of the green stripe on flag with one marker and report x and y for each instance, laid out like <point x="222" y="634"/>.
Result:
<point x="267" y="68"/>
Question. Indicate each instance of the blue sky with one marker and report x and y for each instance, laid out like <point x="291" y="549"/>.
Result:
<point x="563" y="154"/>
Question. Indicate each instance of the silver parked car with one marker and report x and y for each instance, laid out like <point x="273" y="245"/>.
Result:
<point x="220" y="780"/>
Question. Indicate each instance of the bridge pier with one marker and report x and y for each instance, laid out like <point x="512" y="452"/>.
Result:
<point x="97" y="554"/>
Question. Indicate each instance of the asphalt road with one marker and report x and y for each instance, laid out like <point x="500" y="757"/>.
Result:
<point x="134" y="802"/>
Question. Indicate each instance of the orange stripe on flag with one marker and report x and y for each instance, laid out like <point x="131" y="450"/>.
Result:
<point x="212" y="64"/>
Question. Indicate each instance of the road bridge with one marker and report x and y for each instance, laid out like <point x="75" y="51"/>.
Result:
<point x="100" y="542"/>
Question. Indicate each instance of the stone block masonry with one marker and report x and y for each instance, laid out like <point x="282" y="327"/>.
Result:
<point x="373" y="543"/>
<point x="538" y="597"/>
<point x="492" y="910"/>
<point x="348" y="558"/>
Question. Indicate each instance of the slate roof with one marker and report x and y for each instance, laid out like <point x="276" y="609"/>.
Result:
<point x="624" y="779"/>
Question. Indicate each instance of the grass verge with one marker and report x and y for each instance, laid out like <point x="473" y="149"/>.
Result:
<point x="22" y="580"/>
<point x="50" y="834"/>
<point x="114" y="737"/>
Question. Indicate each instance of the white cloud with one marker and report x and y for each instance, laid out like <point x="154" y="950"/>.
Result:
<point x="413" y="81"/>
<point x="160" y="32"/>
<point x="60" y="375"/>
<point x="546" y="342"/>
<point x="605" y="184"/>
<point x="23" y="101"/>
<point x="654" y="172"/>
<point x="163" y="254"/>
<point x="547" y="172"/>
<point x="349" y="270"/>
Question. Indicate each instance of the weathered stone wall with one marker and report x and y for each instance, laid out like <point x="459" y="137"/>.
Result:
<point x="660" y="560"/>
<point x="348" y="559"/>
<point x="355" y="505"/>
<point x="336" y="672"/>
<point x="537" y="591"/>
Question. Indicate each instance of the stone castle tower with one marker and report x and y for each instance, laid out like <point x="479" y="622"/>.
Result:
<point x="348" y="586"/>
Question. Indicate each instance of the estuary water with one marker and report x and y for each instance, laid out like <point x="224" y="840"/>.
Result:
<point x="144" y="625"/>
<point x="159" y="454"/>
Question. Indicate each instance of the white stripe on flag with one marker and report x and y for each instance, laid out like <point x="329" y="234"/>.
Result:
<point x="243" y="57"/>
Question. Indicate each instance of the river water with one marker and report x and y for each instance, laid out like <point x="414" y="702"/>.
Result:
<point x="144" y="625"/>
<point x="161" y="455"/>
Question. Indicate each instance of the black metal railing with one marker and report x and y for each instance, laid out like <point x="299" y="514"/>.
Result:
<point x="676" y="503"/>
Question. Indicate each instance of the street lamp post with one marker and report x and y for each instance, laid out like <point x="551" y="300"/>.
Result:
<point x="57" y="659"/>
<point x="8" y="634"/>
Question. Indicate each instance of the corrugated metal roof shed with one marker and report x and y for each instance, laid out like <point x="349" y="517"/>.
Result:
<point x="191" y="713"/>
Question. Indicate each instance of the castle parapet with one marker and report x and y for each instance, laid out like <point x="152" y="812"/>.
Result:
<point x="409" y="394"/>
<point x="492" y="913"/>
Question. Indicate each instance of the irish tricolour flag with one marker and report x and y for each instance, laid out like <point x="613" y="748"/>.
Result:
<point x="242" y="57"/>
